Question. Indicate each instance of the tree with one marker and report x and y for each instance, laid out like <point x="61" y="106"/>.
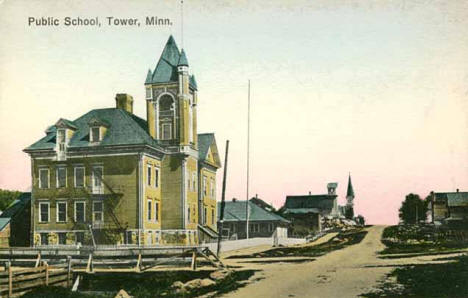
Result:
<point x="413" y="209"/>
<point x="7" y="197"/>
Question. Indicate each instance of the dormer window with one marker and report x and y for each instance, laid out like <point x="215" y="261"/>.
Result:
<point x="97" y="130"/>
<point x="95" y="134"/>
<point x="65" y="129"/>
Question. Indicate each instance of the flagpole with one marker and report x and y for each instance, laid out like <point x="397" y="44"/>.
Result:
<point x="248" y="166"/>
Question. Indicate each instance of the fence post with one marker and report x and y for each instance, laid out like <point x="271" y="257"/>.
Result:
<point x="46" y="273"/>
<point x="194" y="260"/>
<point x="10" y="279"/>
<point x="69" y="259"/>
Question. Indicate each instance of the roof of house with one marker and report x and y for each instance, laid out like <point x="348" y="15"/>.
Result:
<point x="453" y="199"/>
<point x="262" y="204"/>
<point x="235" y="211"/>
<point x="15" y="207"/>
<point x="124" y="129"/>
<point x="322" y="202"/>
<point x="166" y="69"/>
<point x="301" y="210"/>
<point x="350" y="191"/>
<point x="205" y="140"/>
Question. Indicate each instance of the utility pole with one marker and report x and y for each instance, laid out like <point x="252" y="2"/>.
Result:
<point x="417" y="215"/>
<point x="248" y="168"/>
<point x="223" y="200"/>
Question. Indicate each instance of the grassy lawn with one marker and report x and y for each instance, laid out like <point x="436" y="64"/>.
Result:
<point x="423" y="239"/>
<point x="429" y="280"/>
<point x="340" y="241"/>
<point x="147" y="284"/>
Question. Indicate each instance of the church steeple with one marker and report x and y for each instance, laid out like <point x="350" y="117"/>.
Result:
<point x="350" y="192"/>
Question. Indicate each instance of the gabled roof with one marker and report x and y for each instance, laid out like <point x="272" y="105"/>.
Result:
<point x="15" y="207"/>
<point x="207" y="141"/>
<point x="64" y="123"/>
<point x="322" y="202"/>
<point x="124" y="129"/>
<point x="350" y="191"/>
<point x="235" y="211"/>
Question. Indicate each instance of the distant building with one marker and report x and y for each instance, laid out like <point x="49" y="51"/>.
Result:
<point x="449" y="206"/>
<point x="307" y="211"/>
<point x="15" y="222"/>
<point x="262" y="223"/>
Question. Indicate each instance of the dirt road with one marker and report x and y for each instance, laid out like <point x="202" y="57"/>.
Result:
<point x="342" y="273"/>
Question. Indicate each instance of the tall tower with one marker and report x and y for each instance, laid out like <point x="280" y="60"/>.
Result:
<point x="350" y="193"/>
<point x="171" y="99"/>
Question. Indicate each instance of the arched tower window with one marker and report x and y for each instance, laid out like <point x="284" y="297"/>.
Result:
<point x="166" y="117"/>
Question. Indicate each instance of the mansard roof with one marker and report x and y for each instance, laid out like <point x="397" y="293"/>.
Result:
<point x="124" y="128"/>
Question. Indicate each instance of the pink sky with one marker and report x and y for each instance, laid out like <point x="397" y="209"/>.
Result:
<point x="378" y="90"/>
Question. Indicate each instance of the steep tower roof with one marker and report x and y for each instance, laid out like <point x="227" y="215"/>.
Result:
<point x="350" y="192"/>
<point x="166" y="69"/>
<point x="183" y="59"/>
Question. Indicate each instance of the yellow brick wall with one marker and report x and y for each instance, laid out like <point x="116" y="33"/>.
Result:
<point x="209" y="200"/>
<point x="151" y="193"/>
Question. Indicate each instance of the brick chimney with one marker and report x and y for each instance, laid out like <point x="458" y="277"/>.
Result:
<point x="124" y="101"/>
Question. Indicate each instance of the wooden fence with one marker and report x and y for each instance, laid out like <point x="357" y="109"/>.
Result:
<point x="14" y="283"/>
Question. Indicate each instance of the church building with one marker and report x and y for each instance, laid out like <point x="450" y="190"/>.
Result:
<point x="111" y="177"/>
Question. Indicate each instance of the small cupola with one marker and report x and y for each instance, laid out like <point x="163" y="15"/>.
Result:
<point x="124" y="101"/>
<point x="331" y="187"/>
<point x="97" y="130"/>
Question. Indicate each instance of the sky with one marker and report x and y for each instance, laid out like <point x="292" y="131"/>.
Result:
<point x="376" y="89"/>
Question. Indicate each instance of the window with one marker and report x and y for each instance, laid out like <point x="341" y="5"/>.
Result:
<point x="61" y="211"/>
<point x="270" y="227"/>
<point x="97" y="178"/>
<point x="254" y="228"/>
<point x="61" y="177"/>
<point x="212" y="216"/>
<point x="194" y="181"/>
<point x="156" y="211"/>
<point x="79" y="176"/>
<point x="166" y="131"/>
<point x="44" y="178"/>
<point x="150" y="209"/>
<point x="204" y="215"/>
<point x="149" y="175"/>
<point x="44" y="238"/>
<point x="204" y="185"/>
<point x="62" y="238"/>
<point x="193" y="214"/>
<point x="95" y="134"/>
<point x="148" y="93"/>
<point x="156" y="177"/>
<point x="98" y="213"/>
<point x="79" y="237"/>
<point x="61" y="136"/>
<point x="149" y="237"/>
<point x="44" y="212"/>
<point x="80" y="211"/>
<point x="188" y="214"/>
<point x="212" y="187"/>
